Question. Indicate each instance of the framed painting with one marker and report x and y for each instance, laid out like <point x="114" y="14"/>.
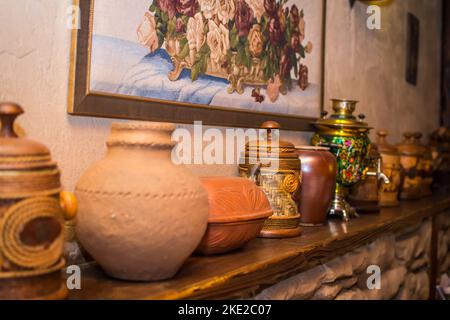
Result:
<point x="224" y="62"/>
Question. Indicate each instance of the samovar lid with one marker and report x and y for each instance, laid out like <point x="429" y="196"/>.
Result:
<point x="343" y="116"/>
<point x="383" y="145"/>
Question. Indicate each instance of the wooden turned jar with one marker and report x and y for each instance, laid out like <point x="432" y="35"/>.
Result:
<point x="275" y="167"/>
<point x="425" y="167"/>
<point x="410" y="157"/>
<point x="32" y="212"/>
<point x="392" y="168"/>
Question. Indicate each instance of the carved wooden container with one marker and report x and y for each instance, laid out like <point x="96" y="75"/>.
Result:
<point x="237" y="212"/>
<point x="32" y="215"/>
<point x="275" y="167"/>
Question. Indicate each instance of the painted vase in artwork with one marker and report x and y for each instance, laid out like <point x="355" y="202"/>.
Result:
<point x="245" y="42"/>
<point x="319" y="171"/>
<point x="140" y="216"/>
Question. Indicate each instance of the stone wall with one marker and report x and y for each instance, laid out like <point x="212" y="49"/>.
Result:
<point x="443" y="223"/>
<point x="403" y="259"/>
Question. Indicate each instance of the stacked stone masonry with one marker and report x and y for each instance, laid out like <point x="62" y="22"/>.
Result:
<point x="443" y="224"/>
<point x="403" y="258"/>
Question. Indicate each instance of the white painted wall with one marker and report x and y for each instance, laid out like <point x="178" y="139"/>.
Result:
<point x="34" y="64"/>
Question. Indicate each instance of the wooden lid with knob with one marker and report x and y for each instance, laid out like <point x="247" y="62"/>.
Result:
<point x="10" y="143"/>
<point x="383" y="145"/>
<point x="31" y="171"/>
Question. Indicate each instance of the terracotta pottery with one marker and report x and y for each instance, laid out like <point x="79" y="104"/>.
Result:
<point x="410" y="157"/>
<point x="425" y="166"/>
<point x="392" y="168"/>
<point x="275" y="167"/>
<point x="237" y="212"/>
<point x="140" y="216"/>
<point x="319" y="171"/>
<point x="32" y="212"/>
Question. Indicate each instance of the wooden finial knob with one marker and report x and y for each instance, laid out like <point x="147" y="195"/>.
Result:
<point x="8" y="114"/>
<point x="382" y="133"/>
<point x="270" y="125"/>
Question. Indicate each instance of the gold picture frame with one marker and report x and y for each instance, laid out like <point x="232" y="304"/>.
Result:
<point x="83" y="101"/>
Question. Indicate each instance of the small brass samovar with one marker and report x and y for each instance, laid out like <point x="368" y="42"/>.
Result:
<point x="348" y="140"/>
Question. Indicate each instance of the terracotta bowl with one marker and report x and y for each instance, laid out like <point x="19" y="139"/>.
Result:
<point x="237" y="211"/>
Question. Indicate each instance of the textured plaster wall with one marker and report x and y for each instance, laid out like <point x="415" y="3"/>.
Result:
<point x="361" y="64"/>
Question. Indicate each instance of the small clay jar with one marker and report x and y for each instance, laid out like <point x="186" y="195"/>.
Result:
<point x="425" y="166"/>
<point x="410" y="157"/>
<point x="237" y="212"/>
<point x="319" y="171"/>
<point x="140" y="216"/>
<point x="392" y="168"/>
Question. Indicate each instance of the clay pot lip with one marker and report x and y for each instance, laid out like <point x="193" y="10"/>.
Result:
<point x="311" y="148"/>
<point x="241" y="217"/>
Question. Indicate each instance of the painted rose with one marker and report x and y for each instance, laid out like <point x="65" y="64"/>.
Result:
<point x="209" y="8"/>
<point x="303" y="81"/>
<point x="294" y="16"/>
<point x="168" y="7"/>
<point x="257" y="7"/>
<point x="302" y="29"/>
<point x="271" y="7"/>
<point x="275" y="34"/>
<point x="187" y="7"/>
<point x="286" y="63"/>
<point x="255" y="41"/>
<point x="195" y="34"/>
<point x="309" y="47"/>
<point x="273" y="88"/>
<point x="244" y="18"/>
<point x="226" y="11"/>
<point x="146" y="32"/>
<point x="218" y="42"/>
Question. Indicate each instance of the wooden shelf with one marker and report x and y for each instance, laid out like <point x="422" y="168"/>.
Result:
<point x="263" y="262"/>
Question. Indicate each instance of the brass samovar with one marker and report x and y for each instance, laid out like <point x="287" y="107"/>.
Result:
<point x="347" y="137"/>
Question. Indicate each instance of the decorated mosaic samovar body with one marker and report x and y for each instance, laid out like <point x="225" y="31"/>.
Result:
<point x="32" y="216"/>
<point x="348" y="139"/>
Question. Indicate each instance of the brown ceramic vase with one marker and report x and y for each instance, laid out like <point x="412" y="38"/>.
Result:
<point x="237" y="212"/>
<point x="140" y="216"/>
<point x="319" y="170"/>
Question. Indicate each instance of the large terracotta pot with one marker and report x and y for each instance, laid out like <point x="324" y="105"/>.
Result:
<point x="319" y="171"/>
<point x="140" y="216"/>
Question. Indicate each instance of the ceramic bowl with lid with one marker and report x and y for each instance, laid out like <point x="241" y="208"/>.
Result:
<point x="237" y="212"/>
